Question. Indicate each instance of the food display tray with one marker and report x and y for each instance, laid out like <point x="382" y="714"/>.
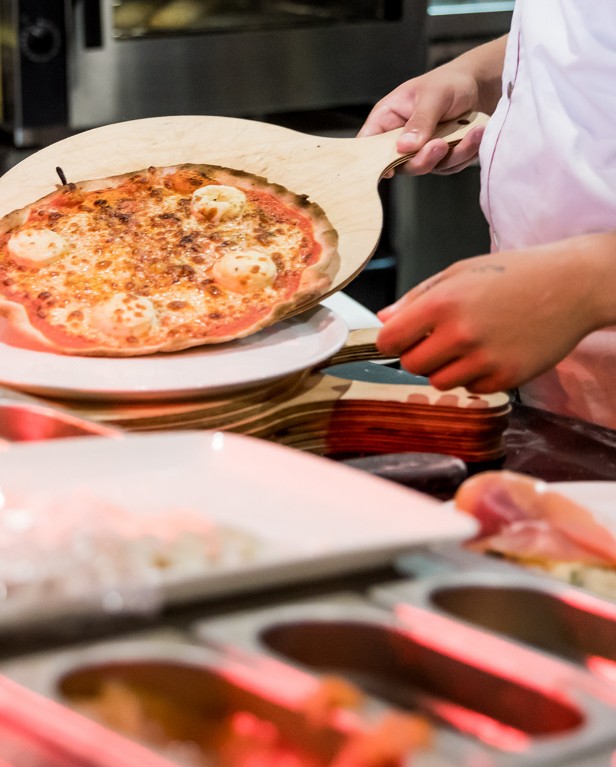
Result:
<point x="510" y="668"/>
<point x="494" y="701"/>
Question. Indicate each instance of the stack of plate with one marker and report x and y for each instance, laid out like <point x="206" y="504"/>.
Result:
<point x="268" y="386"/>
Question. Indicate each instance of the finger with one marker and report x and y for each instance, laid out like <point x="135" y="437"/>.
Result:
<point x="462" y="155"/>
<point x="428" y="356"/>
<point x="451" y="170"/>
<point x="389" y="113"/>
<point x="439" y="351"/>
<point x="497" y="381"/>
<point x="438" y="158"/>
<point x="427" y="159"/>
<point x="452" y="375"/>
<point x="401" y="332"/>
<point x="387" y="312"/>
<point x="429" y="109"/>
<point x="380" y="120"/>
<point x="467" y="371"/>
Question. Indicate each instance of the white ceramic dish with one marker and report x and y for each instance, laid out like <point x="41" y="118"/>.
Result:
<point x="285" y="348"/>
<point x="599" y="497"/>
<point x="306" y="517"/>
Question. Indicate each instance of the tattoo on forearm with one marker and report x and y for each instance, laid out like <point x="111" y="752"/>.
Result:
<point x="432" y="281"/>
<point x="428" y="284"/>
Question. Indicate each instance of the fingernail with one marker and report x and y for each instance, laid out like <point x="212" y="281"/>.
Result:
<point x="389" y="309"/>
<point x="409" y="141"/>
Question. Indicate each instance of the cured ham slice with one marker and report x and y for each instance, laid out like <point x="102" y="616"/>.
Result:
<point x="521" y="518"/>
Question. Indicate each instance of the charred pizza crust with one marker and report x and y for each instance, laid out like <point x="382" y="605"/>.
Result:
<point x="161" y="259"/>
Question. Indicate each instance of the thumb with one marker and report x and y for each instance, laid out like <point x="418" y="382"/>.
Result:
<point x="420" y="127"/>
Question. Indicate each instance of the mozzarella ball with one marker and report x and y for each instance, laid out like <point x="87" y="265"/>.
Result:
<point x="245" y="271"/>
<point x="36" y="247"/>
<point x="125" y="315"/>
<point x="217" y="202"/>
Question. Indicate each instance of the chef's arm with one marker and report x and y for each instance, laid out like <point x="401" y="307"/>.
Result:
<point x="484" y="64"/>
<point x="495" y="322"/>
<point x="471" y="81"/>
<point x="599" y="252"/>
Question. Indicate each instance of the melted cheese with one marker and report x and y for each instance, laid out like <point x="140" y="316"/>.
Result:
<point x="217" y="202"/>
<point x="245" y="271"/>
<point x="125" y="315"/>
<point x="78" y="224"/>
<point x="36" y="247"/>
<point x="140" y="238"/>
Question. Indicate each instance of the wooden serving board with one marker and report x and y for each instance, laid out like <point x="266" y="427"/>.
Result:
<point x="339" y="174"/>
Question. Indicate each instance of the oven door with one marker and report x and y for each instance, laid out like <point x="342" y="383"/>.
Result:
<point x="138" y="58"/>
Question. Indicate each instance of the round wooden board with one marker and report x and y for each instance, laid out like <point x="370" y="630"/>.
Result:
<point x="339" y="174"/>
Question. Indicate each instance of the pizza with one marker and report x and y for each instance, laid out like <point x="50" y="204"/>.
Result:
<point x="161" y="259"/>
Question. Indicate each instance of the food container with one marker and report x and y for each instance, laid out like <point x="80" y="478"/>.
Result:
<point x="492" y="701"/>
<point x="189" y="704"/>
<point x="37" y="732"/>
<point x="528" y="608"/>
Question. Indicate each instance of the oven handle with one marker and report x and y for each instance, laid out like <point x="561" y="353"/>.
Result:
<point x="92" y="23"/>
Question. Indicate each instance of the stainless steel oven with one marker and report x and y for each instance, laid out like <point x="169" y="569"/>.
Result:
<point x="74" y="64"/>
<point x="454" y="26"/>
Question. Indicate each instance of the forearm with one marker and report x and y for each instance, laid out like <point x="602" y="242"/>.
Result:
<point x="595" y="275"/>
<point x="484" y="64"/>
<point x="494" y="322"/>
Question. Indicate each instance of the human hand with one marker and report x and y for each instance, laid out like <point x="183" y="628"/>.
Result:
<point x="491" y="323"/>
<point x="419" y="105"/>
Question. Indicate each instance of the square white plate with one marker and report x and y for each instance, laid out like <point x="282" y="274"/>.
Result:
<point x="598" y="496"/>
<point x="306" y="517"/>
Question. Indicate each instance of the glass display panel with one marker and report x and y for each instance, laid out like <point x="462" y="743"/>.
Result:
<point x="138" y="18"/>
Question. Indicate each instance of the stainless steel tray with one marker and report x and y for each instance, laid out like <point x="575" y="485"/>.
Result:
<point x="191" y="693"/>
<point x="37" y="732"/>
<point x="495" y="702"/>
<point x="527" y="608"/>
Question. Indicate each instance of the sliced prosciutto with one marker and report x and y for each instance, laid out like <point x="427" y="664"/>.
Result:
<point x="521" y="518"/>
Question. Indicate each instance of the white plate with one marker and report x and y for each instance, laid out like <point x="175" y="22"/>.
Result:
<point x="599" y="497"/>
<point x="306" y="517"/>
<point x="285" y="348"/>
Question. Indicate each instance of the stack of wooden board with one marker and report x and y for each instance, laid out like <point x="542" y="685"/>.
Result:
<point x="325" y="414"/>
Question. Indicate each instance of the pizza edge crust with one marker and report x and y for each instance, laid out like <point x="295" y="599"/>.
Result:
<point x="314" y="282"/>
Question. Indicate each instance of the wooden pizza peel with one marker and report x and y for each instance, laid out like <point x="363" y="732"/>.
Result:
<point x="339" y="174"/>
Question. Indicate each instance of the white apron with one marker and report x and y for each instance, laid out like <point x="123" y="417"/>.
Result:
<point x="548" y="165"/>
